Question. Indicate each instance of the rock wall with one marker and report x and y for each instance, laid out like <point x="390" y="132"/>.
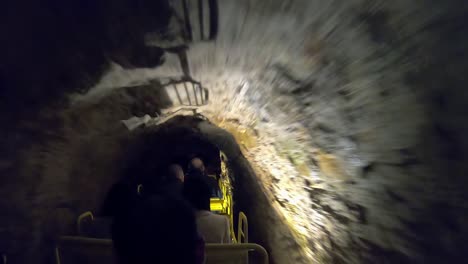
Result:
<point x="67" y="171"/>
<point x="351" y="114"/>
<point x="350" y="105"/>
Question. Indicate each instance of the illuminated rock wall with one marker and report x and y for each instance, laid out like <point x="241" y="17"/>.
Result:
<point x="350" y="113"/>
<point x="339" y="118"/>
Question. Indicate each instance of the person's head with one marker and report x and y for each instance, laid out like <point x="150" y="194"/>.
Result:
<point x="196" y="164"/>
<point x="198" y="193"/>
<point x="176" y="172"/>
<point x="156" y="230"/>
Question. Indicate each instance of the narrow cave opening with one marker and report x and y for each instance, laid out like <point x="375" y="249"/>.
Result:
<point x="169" y="143"/>
<point x="178" y="140"/>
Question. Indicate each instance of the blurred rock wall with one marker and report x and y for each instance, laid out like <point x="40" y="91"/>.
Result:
<point x="354" y="110"/>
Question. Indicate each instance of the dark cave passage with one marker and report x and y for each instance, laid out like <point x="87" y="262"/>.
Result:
<point x="178" y="140"/>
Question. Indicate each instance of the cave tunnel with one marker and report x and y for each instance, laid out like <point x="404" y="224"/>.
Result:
<point x="344" y="122"/>
<point x="180" y="139"/>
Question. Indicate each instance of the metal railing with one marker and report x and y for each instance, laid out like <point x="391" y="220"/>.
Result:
<point x="92" y="226"/>
<point x="196" y="95"/>
<point x="206" y="8"/>
<point x="81" y="218"/>
<point x="225" y="253"/>
<point x="96" y="250"/>
<point x="140" y="189"/>
<point x="186" y="92"/>
<point x="242" y="229"/>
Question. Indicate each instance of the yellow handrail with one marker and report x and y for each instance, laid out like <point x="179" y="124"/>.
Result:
<point x="243" y="229"/>
<point x="80" y="219"/>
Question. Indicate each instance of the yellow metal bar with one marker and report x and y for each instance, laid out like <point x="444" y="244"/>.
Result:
<point x="231" y="219"/>
<point x="80" y="219"/>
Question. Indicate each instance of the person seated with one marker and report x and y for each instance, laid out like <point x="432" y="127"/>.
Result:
<point x="197" y="165"/>
<point x="170" y="182"/>
<point x="197" y="168"/>
<point x="177" y="172"/>
<point x="174" y="180"/>
<point x="158" y="229"/>
<point x="212" y="227"/>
